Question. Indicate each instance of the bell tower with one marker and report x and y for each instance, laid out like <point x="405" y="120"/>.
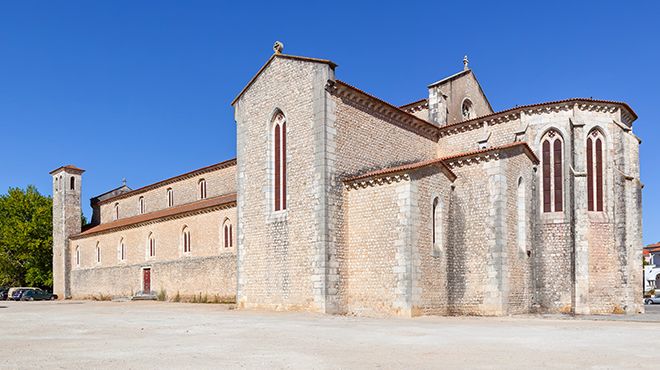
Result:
<point x="67" y="186"/>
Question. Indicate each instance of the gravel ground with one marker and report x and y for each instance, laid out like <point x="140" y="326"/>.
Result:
<point x="174" y="335"/>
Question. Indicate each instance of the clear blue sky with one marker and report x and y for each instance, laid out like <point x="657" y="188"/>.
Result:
<point x="141" y="89"/>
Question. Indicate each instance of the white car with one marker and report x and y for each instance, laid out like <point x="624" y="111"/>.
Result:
<point x="652" y="300"/>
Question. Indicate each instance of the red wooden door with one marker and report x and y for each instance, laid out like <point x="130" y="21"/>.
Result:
<point x="146" y="280"/>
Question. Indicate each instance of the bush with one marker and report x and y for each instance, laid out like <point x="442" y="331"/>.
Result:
<point x="162" y="295"/>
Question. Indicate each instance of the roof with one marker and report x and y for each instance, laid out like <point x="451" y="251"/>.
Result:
<point x="652" y="248"/>
<point x="405" y="107"/>
<point x="441" y="161"/>
<point x="110" y="193"/>
<point x="452" y="77"/>
<point x="332" y="65"/>
<point x="521" y="108"/>
<point x="178" y="211"/>
<point x="199" y="171"/>
<point x="68" y="167"/>
<point x="406" y="119"/>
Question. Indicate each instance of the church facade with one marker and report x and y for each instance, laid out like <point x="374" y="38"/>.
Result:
<point x="339" y="202"/>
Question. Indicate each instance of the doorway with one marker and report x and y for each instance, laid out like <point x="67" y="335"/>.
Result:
<point x="146" y="280"/>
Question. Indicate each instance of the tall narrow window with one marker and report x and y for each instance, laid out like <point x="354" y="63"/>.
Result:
<point x="141" y="207"/>
<point x="115" y="215"/>
<point x="78" y="255"/>
<point x="436" y="226"/>
<point x="60" y="184"/>
<point x="121" y="250"/>
<point x="279" y="162"/>
<point x="202" y="189"/>
<point x="522" y="216"/>
<point x="170" y="197"/>
<point x="98" y="253"/>
<point x="595" y="171"/>
<point x="227" y="233"/>
<point x="185" y="240"/>
<point x="152" y="246"/>
<point x="73" y="183"/>
<point x="552" y="172"/>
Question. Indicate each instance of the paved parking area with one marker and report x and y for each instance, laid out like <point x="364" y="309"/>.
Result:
<point x="174" y="335"/>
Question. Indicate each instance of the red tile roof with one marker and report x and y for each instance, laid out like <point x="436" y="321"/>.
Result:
<point x="199" y="171"/>
<point x="226" y="200"/>
<point x="441" y="161"/>
<point x="538" y="105"/>
<point x="69" y="167"/>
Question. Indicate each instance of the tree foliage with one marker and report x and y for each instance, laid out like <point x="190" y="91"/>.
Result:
<point x="26" y="229"/>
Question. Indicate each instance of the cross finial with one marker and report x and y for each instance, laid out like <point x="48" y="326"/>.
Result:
<point x="465" y="63"/>
<point x="123" y="181"/>
<point x="278" y="47"/>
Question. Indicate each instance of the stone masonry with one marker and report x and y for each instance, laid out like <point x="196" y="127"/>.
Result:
<point x="339" y="202"/>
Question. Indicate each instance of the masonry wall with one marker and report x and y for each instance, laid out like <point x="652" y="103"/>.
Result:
<point x="218" y="182"/>
<point x="368" y="275"/>
<point x="208" y="268"/>
<point x="281" y="258"/>
<point x="469" y="241"/>
<point x="429" y="263"/>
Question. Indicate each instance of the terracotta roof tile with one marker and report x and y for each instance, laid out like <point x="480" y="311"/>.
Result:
<point x="199" y="171"/>
<point x="223" y="200"/>
<point x="442" y="160"/>
<point x="537" y="105"/>
<point x="68" y="167"/>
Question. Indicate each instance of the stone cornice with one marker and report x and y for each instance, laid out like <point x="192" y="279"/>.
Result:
<point x="584" y="104"/>
<point x="377" y="181"/>
<point x="185" y="210"/>
<point x="415" y="106"/>
<point x="403" y="119"/>
<point x="171" y="180"/>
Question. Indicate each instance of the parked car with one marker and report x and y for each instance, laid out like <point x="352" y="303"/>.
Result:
<point x="652" y="300"/>
<point x="18" y="293"/>
<point x="37" y="295"/>
<point x="4" y="293"/>
<point x="12" y="291"/>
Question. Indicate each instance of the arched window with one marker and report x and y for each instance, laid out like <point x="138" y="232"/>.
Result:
<point x="78" y="255"/>
<point x="170" y="197"/>
<point x="185" y="240"/>
<point x="595" y="141"/>
<point x="73" y="183"/>
<point x="522" y="216"/>
<point x="228" y="234"/>
<point x="55" y="184"/>
<point x="121" y="250"/>
<point x="279" y="162"/>
<point x="202" y="189"/>
<point x="467" y="110"/>
<point x="553" y="179"/>
<point x="436" y="226"/>
<point x="141" y="207"/>
<point x="151" y="245"/>
<point x="115" y="215"/>
<point x="98" y="252"/>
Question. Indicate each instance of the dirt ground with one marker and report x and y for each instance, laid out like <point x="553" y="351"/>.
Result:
<point x="175" y="335"/>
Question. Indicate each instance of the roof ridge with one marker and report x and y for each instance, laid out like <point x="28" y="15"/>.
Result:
<point x="220" y="165"/>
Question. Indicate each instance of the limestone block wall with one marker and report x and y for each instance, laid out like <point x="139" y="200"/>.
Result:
<point x="520" y="206"/>
<point x="430" y="263"/>
<point x="369" y="267"/>
<point x="218" y="182"/>
<point x="212" y="276"/>
<point x="208" y="259"/>
<point x="281" y="254"/>
<point x="456" y="90"/>
<point x="469" y="236"/>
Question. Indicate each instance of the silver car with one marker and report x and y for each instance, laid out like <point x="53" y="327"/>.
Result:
<point x="652" y="300"/>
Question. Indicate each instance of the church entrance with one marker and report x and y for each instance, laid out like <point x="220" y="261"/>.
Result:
<point x="146" y="280"/>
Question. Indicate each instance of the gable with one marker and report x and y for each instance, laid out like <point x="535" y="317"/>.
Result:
<point x="449" y="98"/>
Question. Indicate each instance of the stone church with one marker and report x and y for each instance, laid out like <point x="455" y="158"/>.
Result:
<point x="340" y="202"/>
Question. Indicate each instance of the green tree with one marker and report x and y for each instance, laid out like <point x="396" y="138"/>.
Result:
<point x="26" y="229"/>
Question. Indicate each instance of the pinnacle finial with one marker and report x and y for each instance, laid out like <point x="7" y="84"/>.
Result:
<point x="123" y="181"/>
<point x="278" y="47"/>
<point x="465" y="63"/>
